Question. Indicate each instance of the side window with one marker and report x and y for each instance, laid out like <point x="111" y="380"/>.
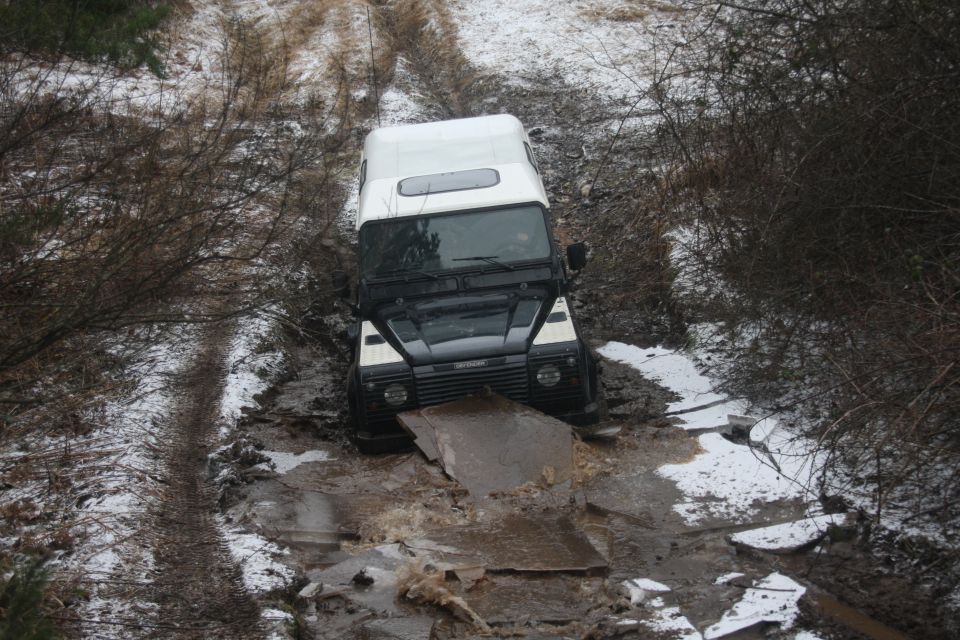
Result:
<point x="363" y="173"/>
<point x="530" y="157"/>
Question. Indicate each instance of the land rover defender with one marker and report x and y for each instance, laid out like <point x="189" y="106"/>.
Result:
<point x="461" y="286"/>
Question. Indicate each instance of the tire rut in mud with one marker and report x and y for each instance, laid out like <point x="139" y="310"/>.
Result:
<point x="197" y="585"/>
<point x="423" y="33"/>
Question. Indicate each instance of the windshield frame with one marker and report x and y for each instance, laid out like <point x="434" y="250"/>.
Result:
<point x="470" y="266"/>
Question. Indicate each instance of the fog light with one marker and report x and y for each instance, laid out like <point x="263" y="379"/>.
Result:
<point x="395" y="394"/>
<point x="371" y="386"/>
<point x="548" y="375"/>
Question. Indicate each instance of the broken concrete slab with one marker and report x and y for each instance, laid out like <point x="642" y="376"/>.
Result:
<point x="412" y="628"/>
<point x="519" y="599"/>
<point x="520" y="543"/>
<point x="790" y="537"/>
<point x="312" y="519"/>
<point x="490" y="443"/>
<point x="619" y="496"/>
<point x="469" y="576"/>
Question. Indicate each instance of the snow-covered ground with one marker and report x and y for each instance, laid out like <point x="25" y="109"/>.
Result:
<point x="111" y="544"/>
<point x="192" y="67"/>
<point x="726" y="480"/>
<point x="251" y="369"/>
<point x="773" y="599"/>
<point x="600" y="45"/>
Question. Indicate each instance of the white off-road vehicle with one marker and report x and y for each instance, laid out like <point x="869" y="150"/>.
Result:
<point x="461" y="285"/>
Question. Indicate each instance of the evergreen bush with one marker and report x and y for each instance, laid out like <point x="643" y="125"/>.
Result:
<point x="119" y="31"/>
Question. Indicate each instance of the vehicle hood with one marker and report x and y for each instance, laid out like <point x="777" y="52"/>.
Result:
<point x="463" y="327"/>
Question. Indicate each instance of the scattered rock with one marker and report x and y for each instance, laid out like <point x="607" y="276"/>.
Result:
<point x="362" y="579"/>
<point x="640" y="589"/>
<point x="309" y="591"/>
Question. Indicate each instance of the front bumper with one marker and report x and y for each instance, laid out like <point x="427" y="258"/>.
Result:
<point x="572" y="398"/>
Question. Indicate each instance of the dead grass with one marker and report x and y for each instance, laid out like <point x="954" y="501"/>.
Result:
<point x="425" y="584"/>
<point x="588" y="463"/>
<point x="636" y="11"/>
<point x="303" y="22"/>
<point x="424" y="34"/>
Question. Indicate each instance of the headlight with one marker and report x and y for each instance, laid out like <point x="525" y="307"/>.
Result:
<point x="548" y="375"/>
<point x="396" y="394"/>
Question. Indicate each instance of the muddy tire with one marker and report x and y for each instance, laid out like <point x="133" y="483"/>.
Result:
<point x="390" y="445"/>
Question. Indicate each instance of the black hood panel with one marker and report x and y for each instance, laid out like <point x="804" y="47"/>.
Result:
<point x="464" y="327"/>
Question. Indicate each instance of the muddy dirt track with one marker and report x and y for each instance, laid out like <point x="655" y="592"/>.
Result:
<point x="190" y="555"/>
<point x="390" y="547"/>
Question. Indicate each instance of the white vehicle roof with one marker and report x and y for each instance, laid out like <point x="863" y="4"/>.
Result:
<point x="488" y="142"/>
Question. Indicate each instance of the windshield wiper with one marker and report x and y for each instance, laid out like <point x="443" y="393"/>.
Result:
<point x="405" y="270"/>
<point x="490" y="259"/>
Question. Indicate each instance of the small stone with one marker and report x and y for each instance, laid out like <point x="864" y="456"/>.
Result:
<point x="310" y="590"/>
<point x="362" y="579"/>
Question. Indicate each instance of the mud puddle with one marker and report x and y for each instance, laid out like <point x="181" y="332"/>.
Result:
<point x="390" y="546"/>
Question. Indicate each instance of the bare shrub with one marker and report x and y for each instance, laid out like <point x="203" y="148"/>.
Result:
<point x="113" y="216"/>
<point x="816" y="156"/>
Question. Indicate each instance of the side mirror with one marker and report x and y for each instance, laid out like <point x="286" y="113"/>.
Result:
<point x="577" y="256"/>
<point x="341" y="283"/>
<point x="353" y="332"/>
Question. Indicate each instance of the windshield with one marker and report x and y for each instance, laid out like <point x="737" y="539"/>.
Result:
<point x="453" y="241"/>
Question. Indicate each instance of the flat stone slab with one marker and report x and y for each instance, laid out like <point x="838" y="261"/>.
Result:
<point x="620" y="496"/>
<point x="314" y="518"/>
<point x="507" y="599"/>
<point x="413" y="628"/>
<point x="491" y="444"/>
<point x="519" y="543"/>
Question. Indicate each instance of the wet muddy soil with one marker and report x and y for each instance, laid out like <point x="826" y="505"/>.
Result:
<point x="191" y="556"/>
<point x="540" y="559"/>
<point x="390" y="546"/>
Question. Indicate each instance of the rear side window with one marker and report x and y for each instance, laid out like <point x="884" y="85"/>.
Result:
<point x="363" y="173"/>
<point x="453" y="181"/>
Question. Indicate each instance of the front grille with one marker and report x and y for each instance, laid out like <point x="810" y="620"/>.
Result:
<point x="510" y="380"/>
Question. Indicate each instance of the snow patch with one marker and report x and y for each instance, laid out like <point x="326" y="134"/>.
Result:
<point x="727" y="577"/>
<point x="641" y="588"/>
<point x="669" y="620"/>
<point x="258" y="558"/>
<point x="726" y="480"/>
<point x="788" y="536"/>
<point x="773" y="599"/>
<point x="284" y="462"/>
<point x="250" y="372"/>
<point x="679" y="374"/>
